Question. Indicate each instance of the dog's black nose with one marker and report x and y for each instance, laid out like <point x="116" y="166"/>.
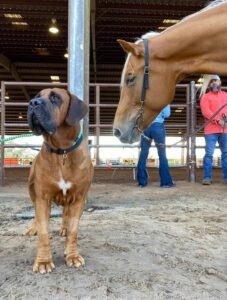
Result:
<point x="117" y="132"/>
<point x="35" y="102"/>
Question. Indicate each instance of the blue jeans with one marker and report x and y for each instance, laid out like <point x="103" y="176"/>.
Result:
<point x="156" y="132"/>
<point x="211" y="140"/>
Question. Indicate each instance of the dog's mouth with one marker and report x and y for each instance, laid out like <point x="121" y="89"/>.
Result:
<point x="36" y="125"/>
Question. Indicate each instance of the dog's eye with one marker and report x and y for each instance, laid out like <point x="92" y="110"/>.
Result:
<point x="130" y="80"/>
<point x="54" y="98"/>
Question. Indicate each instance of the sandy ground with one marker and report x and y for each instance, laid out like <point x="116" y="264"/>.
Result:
<point x="147" y="243"/>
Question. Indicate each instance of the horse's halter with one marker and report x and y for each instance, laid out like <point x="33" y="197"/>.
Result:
<point x="139" y="118"/>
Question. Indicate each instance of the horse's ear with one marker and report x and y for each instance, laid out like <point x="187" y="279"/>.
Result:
<point x="77" y="110"/>
<point x="135" y="49"/>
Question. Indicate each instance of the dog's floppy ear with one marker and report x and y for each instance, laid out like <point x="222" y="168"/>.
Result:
<point x="77" y="110"/>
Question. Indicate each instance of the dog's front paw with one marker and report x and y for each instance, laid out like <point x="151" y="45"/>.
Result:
<point x="74" y="260"/>
<point x="43" y="266"/>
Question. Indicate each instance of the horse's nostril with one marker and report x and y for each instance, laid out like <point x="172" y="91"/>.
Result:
<point x="117" y="132"/>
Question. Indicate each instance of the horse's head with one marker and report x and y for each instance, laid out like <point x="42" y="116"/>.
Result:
<point x="130" y="119"/>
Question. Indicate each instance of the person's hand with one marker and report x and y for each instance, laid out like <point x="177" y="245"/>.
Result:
<point x="221" y="123"/>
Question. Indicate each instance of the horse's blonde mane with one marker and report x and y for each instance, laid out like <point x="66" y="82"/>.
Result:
<point x="213" y="3"/>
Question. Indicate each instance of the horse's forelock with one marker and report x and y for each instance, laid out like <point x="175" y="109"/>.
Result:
<point x="150" y="34"/>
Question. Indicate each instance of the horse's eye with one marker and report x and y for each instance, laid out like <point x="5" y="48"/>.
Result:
<point x="130" y="80"/>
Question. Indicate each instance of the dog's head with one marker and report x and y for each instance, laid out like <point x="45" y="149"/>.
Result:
<point x="51" y="108"/>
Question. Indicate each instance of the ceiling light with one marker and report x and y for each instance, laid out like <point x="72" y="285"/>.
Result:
<point x="162" y="27"/>
<point x="178" y="110"/>
<point x="171" y="21"/>
<point x="200" y="80"/>
<point x="20" y="23"/>
<point x="66" y="55"/>
<point x="55" y="77"/>
<point x="20" y="116"/>
<point x="13" y="16"/>
<point x="7" y="97"/>
<point x="53" y="27"/>
<point x="179" y="132"/>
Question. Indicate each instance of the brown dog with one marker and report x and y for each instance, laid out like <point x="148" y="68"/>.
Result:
<point x="61" y="172"/>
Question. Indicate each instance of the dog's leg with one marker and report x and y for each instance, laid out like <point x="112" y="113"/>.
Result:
<point x="64" y="225"/>
<point x="43" y="262"/>
<point x="72" y="256"/>
<point x="32" y="230"/>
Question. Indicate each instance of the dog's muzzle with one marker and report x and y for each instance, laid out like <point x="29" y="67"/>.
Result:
<point x="39" y="118"/>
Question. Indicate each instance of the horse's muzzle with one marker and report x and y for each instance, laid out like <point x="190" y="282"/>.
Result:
<point x="129" y="136"/>
<point x="117" y="132"/>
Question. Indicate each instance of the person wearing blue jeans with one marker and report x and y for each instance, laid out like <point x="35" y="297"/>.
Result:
<point x="211" y="140"/>
<point x="156" y="132"/>
<point x="214" y="101"/>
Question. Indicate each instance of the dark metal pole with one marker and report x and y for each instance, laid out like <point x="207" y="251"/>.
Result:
<point x="78" y="48"/>
<point x="188" y="131"/>
<point x="97" y="130"/>
<point x="2" y="171"/>
<point x="192" y="129"/>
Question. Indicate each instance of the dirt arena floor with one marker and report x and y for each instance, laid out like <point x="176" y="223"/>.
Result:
<point x="146" y="243"/>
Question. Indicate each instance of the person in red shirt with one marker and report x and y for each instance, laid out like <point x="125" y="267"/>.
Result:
<point x="216" y="130"/>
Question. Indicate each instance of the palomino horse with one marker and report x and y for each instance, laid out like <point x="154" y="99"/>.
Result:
<point x="196" y="45"/>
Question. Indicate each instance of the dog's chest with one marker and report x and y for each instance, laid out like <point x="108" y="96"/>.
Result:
<point x="64" y="185"/>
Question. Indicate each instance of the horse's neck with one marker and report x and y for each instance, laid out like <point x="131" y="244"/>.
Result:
<point x="197" y="44"/>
